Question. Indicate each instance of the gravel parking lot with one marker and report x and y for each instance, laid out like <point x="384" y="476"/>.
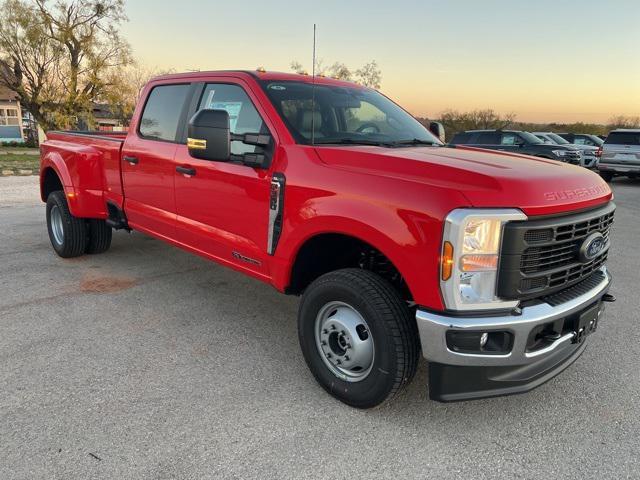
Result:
<point x="148" y="362"/>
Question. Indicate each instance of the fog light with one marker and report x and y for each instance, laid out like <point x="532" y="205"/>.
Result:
<point x="489" y="343"/>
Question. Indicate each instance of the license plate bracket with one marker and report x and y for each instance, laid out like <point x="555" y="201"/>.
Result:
<point x="587" y="322"/>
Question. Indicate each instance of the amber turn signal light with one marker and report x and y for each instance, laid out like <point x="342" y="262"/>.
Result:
<point x="447" y="261"/>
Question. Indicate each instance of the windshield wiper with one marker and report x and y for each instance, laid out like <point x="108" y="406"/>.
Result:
<point x="352" y="141"/>
<point x="415" y="141"/>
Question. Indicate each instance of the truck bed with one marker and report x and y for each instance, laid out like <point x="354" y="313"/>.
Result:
<point x="88" y="164"/>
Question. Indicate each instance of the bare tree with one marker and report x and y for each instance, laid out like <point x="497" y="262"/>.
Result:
<point x="340" y="71"/>
<point x="455" y="121"/>
<point x="61" y="57"/>
<point x="623" y="121"/>
<point x="129" y="81"/>
<point x="369" y="75"/>
<point x="297" y="67"/>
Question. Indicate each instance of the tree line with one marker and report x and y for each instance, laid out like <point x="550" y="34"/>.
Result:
<point x="456" y="121"/>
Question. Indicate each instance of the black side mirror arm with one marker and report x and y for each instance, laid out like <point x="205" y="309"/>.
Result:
<point x="257" y="139"/>
<point x="254" y="160"/>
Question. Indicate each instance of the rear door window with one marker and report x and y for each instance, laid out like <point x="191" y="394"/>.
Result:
<point x="162" y="112"/>
<point x="488" y="138"/>
<point x="461" y="138"/>
<point x="623" y="138"/>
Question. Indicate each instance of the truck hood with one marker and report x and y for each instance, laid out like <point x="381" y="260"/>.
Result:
<point x="553" y="146"/>
<point x="486" y="178"/>
<point x="584" y="148"/>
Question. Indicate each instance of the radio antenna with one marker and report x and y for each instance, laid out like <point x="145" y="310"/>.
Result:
<point x="313" y="89"/>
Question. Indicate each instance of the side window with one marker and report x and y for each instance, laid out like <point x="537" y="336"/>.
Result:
<point x="488" y="138"/>
<point x="461" y="138"/>
<point x="162" y="112"/>
<point x="243" y="116"/>
<point x="580" y="141"/>
<point x="510" y="139"/>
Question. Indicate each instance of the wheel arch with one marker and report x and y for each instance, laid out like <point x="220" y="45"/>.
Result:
<point x="54" y="174"/>
<point x="361" y="246"/>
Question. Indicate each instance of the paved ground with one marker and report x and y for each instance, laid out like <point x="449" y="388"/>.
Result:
<point x="147" y="362"/>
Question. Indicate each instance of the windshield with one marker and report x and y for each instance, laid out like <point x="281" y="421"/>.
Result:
<point x="344" y="115"/>
<point x="623" y="138"/>
<point x="597" y="140"/>
<point x="557" y="138"/>
<point x="543" y="137"/>
<point x="530" y="138"/>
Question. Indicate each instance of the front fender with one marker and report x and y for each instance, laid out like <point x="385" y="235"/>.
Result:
<point x="410" y="240"/>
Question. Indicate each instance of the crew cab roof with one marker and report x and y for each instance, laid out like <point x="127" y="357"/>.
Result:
<point x="260" y="75"/>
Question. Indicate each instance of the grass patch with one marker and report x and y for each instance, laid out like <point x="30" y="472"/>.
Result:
<point x="15" y="162"/>
<point x="17" y="149"/>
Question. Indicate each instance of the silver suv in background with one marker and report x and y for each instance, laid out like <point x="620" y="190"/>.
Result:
<point x="590" y="154"/>
<point x="583" y="139"/>
<point x="621" y="154"/>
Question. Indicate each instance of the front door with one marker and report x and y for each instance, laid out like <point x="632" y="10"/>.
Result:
<point x="147" y="162"/>
<point x="223" y="207"/>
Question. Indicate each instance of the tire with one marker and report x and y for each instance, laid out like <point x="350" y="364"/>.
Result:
<point x="68" y="234"/>
<point x="358" y="296"/>
<point x="98" y="236"/>
<point x="606" y="176"/>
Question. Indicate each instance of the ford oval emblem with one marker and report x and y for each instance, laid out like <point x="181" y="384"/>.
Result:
<point x="593" y="245"/>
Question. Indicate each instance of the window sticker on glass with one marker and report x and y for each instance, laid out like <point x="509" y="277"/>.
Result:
<point x="232" y="108"/>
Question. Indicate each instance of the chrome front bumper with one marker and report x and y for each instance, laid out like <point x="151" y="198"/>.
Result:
<point x="433" y="328"/>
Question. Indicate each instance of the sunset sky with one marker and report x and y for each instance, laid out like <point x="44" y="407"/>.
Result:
<point x="544" y="60"/>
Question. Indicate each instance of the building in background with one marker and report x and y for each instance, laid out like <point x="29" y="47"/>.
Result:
<point x="105" y="120"/>
<point x="10" y="117"/>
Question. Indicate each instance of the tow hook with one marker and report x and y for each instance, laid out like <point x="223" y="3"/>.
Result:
<point x="607" y="297"/>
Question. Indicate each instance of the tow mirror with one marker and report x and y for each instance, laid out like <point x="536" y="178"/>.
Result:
<point x="438" y="130"/>
<point x="209" y="135"/>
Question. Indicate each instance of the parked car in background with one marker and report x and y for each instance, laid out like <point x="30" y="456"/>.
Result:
<point x="583" y="139"/>
<point x="621" y="154"/>
<point x="518" y="142"/>
<point x="590" y="154"/>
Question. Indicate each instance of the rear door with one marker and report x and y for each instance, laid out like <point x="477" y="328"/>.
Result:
<point x="622" y="148"/>
<point x="148" y="160"/>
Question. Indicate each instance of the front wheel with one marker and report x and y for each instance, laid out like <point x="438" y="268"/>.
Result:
<point x="358" y="337"/>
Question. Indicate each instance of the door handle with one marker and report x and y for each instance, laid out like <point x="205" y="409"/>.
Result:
<point x="186" y="170"/>
<point x="131" y="160"/>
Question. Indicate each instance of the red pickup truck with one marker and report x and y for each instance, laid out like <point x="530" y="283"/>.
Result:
<point x="492" y="264"/>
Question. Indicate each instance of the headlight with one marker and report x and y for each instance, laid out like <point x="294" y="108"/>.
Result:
<point x="470" y="258"/>
<point x="559" y="153"/>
